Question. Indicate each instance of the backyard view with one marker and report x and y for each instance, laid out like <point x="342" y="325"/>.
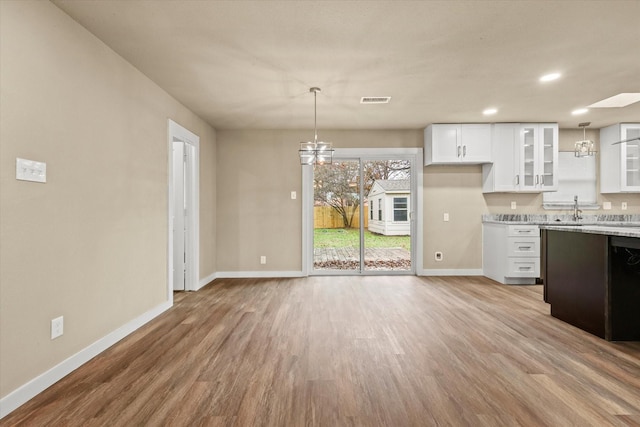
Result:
<point x="385" y="207"/>
<point x="338" y="248"/>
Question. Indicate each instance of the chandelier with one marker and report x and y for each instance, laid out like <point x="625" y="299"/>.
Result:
<point x="585" y="147"/>
<point x="316" y="152"/>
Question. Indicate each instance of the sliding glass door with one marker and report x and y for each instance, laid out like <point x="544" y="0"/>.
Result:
<point x="362" y="216"/>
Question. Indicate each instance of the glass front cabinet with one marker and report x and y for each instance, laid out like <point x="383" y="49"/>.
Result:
<point x="538" y="157"/>
<point x="620" y="158"/>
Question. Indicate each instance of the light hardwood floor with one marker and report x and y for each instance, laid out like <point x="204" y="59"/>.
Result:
<point x="367" y="351"/>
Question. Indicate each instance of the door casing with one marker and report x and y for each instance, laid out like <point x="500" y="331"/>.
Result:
<point x="414" y="155"/>
<point x="177" y="133"/>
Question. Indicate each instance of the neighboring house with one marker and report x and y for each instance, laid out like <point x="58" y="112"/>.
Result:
<point x="389" y="207"/>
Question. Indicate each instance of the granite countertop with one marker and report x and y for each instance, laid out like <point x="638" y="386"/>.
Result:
<point x="563" y="220"/>
<point x="623" y="231"/>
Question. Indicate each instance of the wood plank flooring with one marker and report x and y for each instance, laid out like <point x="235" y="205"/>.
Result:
<point x="352" y="351"/>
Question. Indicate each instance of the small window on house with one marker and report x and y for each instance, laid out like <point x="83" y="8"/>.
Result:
<point x="371" y="210"/>
<point x="399" y="209"/>
<point x="379" y="209"/>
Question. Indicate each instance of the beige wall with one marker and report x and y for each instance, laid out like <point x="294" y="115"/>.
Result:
<point x="258" y="169"/>
<point x="91" y="243"/>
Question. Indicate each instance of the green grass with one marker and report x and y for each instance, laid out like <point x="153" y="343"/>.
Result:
<point x="345" y="237"/>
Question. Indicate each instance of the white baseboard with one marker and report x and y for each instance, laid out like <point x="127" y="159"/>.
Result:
<point x="257" y="274"/>
<point x="451" y="272"/>
<point x="206" y="280"/>
<point x="37" y="385"/>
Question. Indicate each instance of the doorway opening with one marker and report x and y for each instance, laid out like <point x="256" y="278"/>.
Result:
<point x="362" y="214"/>
<point x="183" y="250"/>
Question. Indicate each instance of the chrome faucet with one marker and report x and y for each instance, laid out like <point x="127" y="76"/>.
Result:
<point x="577" y="213"/>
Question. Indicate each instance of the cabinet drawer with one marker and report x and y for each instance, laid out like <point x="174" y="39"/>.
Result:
<point x="523" y="230"/>
<point x="523" y="267"/>
<point x="523" y="247"/>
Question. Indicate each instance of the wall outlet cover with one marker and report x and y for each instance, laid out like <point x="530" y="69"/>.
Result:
<point x="514" y="205"/>
<point x="57" y="327"/>
<point x="624" y="206"/>
<point x="31" y="170"/>
<point x="438" y="256"/>
<point x="606" y="206"/>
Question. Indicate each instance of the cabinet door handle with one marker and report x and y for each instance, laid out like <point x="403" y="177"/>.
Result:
<point x="542" y="179"/>
<point x="524" y="268"/>
<point x="464" y="151"/>
<point x="537" y="177"/>
<point x="522" y="248"/>
<point x="459" y="147"/>
<point x="517" y="179"/>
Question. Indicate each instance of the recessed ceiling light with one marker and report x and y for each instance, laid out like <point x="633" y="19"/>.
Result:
<point x="550" y="77"/>
<point x="579" y="111"/>
<point x="489" y="111"/>
<point x="617" y="101"/>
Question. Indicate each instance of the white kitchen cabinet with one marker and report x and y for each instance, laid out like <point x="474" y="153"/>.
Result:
<point x="525" y="158"/>
<point x="502" y="174"/>
<point x="457" y="143"/>
<point x="620" y="163"/>
<point x="511" y="253"/>
<point x="538" y="157"/>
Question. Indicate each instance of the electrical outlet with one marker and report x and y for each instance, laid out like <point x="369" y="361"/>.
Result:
<point x="445" y="217"/>
<point x="438" y="256"/>
<point x="57" y="327"/>
<point x="513" y="205"/>
<point x="263" y="259"/>
<point x="624" y="206"/>
<point x="294" y="195"/>
<point x="606" y="206"/>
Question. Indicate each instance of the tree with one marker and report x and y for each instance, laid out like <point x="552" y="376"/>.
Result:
<point x="336" y="185"/>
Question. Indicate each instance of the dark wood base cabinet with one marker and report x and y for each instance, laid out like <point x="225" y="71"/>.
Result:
<point x="576" y="279"/>
<point x="592" y="283"/>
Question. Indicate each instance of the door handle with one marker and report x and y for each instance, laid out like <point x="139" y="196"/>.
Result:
<point x="459" y="150"/>
<point x="464" y="151"/>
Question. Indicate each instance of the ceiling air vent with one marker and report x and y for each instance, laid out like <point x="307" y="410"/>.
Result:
<point x="375" y="99"/>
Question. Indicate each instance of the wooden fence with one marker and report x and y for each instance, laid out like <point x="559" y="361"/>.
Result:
<point x="327" y="217"/>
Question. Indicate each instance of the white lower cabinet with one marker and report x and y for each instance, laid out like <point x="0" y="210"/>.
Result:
<point x="511" y="253"/>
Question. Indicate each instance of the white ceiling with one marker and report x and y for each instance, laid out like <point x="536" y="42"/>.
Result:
<point x="250" y="64"/>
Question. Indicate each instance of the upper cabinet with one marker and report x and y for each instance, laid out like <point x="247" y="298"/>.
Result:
<point x="539" y="157"/>
<point x="457" y="144"/>
<point x="620" y="163"/>
<point x="525" y="158"/>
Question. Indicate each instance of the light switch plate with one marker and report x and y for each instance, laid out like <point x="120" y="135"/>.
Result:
<point x="445" y="217"/>
<point x="624" y="206"/>
<point x="513" y="205"/>
<point x="606" y="206"/>
<point x="294" y="195"/>
<point x="31" y="170"/>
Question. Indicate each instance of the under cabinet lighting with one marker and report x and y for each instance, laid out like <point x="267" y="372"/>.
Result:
<point x="489" y="111"/>
<point x="579" y="111"/>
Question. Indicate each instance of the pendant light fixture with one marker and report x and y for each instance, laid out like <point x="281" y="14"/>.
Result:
<point x="316" y="152"/>
<point x="585" y="147"/>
